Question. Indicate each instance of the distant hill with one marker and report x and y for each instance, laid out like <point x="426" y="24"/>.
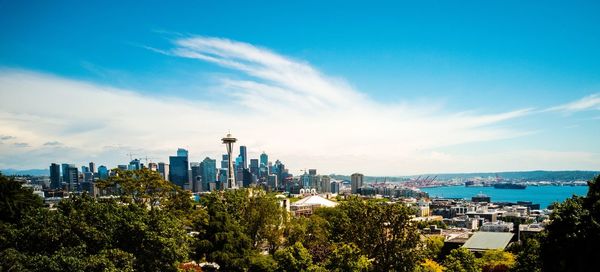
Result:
<point x="538" y="175"/>
<point x="30" y="172"/>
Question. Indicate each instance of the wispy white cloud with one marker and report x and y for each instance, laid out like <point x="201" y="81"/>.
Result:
<point x="590" y="102"/>
<point x="283" y="106"/>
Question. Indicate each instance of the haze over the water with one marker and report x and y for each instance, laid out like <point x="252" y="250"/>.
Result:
<point x="418" y="88"/>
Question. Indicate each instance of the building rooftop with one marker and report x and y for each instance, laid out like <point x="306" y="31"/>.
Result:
<point x="481" y="241"/>
<point x="315" y="200"/>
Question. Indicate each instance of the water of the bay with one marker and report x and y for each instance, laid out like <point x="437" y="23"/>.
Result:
<point x="543" y="195"/>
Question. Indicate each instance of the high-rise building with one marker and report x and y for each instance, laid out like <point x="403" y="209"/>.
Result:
<point x="272" y="182"/>
<point x="244" y="155"/>
<point x="153" y="166"/>
<point x="135" y="164"/>
<point x="178" y="168"/>
<point x="247" y="179"/>
<point x="55" y="176"/>
<point x="196" y="176"/>
<point x="225" y="161"/>
<point x="222" y="180"/>
<point x="84" y="169"/>
<point x="263" y="170"/>
<point x="335" y="187"/>
<point x="182" y="152"/>
<point x="72" y="177"/>
<point x="254" y="167"/>
<point x="312" y="172"/>
<point x="264" y="159"/>
<point x="122" y="166"/>
<point x="208" y="171"/>
<point x="229" y="141"/>
<point x="239" y="168"/>
<point x="65" y="172"/>
<point x="325" y="184"/>
<point x="304" y="181"/>
<point x="163" y="169"/>
<point x="357" y="182"/>
<point x="92" y="167"/>
<point x="102" y="172"/>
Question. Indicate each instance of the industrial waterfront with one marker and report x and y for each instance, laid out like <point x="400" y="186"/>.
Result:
<point x="543" y="195"/>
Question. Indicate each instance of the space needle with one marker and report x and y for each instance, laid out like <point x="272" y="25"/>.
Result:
<point x="228" y="141"/>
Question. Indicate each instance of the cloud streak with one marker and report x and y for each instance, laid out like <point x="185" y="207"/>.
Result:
<point x="590" y="102"/>
<point x="278" y="104"/>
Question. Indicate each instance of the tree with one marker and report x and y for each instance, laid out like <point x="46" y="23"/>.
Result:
<point x="143" y="186"/>
<point x="295" y="258"/>
<point x="496" y="260"/>
<point x="461" y="260"/>
<point x="382" y="231"/>
<point x="433" y="246"/>
<point x="527" y="255"/>
<point x="15" y="200"/>
<point x="222" y="239"/>
<point x="429" y="265"/>
<point x="347" y="257"/>
<point x="572" y="239"/>
<point x="88" y="235"/>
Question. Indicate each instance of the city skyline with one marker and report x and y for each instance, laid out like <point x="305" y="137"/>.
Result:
<point x="394" y="94"/>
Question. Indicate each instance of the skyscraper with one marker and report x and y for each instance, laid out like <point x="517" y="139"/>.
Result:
<point x="55" y="176"/>
<point x="244" y="155"/>
<point x="92" y="167"/>
<point x="102" y="172"/>
<point x="325" y="184"/>
<point x="264" y="159"/>
<point x="65" y="172"/>
<point x="229" y="141"/>
<point x="357" y="182"/>
<point x="196" y="176"/>
<point x="335" y="187"/>
<point x="163" y="169"/>
<point x="135" y="165"/>
<point x="225" y="161"/>
<point x="182" y="152"/>
<point x="72" y="177"/>
<point x="263" y="170"/>
<point x="272" y="182"/>
<point x="178" y="168"/>
<point x="254" y="167"/>
<point x="208" y="171"/>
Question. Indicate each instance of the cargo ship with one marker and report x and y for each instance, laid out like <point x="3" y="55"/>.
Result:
<point x="509" y="186"/>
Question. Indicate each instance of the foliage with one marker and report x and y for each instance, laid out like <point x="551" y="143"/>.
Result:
<point x="86" y="235"/>
<point x="461" y="260"/>
<point x="142" y="187"/>
<point x="347" y="257"/>
<point x="238" y="225"/>
<point x="496" y="260"/>
<point x="294" y="258"/>
<point x="382" y="231"/>
<point x="572" y="238"/>
<point x="527" y="255"/>
<point x="429" y="265"/>
<point x="15" y="200"/>
<point x="433" y="246"/>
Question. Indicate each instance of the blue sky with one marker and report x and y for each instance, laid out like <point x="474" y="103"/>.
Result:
<point x="512" y="85"/>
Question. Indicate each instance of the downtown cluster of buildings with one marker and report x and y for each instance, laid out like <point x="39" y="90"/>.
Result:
<point x="206" y="175"/>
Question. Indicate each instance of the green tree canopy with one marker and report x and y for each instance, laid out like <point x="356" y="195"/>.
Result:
<point x="16" y="200"/>
<point x="86" y="235"/>
<point x="461" y="260"/>
<point x="572" y="239"/>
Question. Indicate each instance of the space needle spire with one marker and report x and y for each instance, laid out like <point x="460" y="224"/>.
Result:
<point x="229" y="141"/>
